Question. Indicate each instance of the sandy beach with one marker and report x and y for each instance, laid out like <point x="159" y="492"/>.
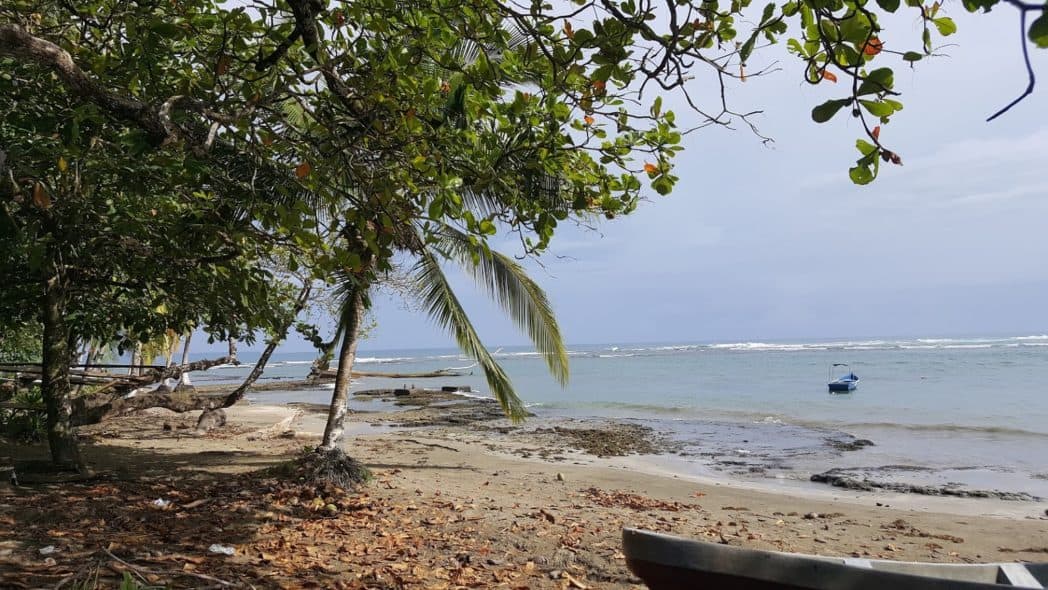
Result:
<point x="455" y="503"/>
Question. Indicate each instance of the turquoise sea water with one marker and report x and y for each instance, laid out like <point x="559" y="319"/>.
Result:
<point x="969" y="411"/>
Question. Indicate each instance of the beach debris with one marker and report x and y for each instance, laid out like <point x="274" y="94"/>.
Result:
<point x="161" y="503"/>
<point x="572" y="581"/>
<point x="634" y="501"/>
<point x="905" y="528"/>
<point x="48" y="550"/>
<point x="560" y="476"/>
<point x="219" y="549"/>
<point x="811" y="515"/>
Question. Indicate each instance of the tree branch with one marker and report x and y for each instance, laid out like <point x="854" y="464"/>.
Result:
<point x="16" y="42"/>
<point x="1023" y="9"/>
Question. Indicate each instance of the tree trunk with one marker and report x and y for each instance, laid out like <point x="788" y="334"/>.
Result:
<point x="209" y="416"/>
<point x="322" y="363"/>
<point x="61" y="435"/>
<point x="136" y="358"/>
<point x="347" y="354"/>
<point x="183" y="378"/>
<point x="233" y="351"/>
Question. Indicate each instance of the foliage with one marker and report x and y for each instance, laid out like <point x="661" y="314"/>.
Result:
<point x="159" y="159"/>
<point x="24" y="425"/>
<point x="844" y="39"/>
<point x="20" y="343"/>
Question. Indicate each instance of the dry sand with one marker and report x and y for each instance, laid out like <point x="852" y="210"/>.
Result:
<point x="555" y="516"/>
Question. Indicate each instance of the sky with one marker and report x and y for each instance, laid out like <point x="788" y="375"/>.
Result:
<point x="775" y="243"/>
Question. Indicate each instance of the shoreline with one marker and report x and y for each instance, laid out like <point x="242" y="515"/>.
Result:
<point x="825" y="460"/>
<point x="434" y="418"/>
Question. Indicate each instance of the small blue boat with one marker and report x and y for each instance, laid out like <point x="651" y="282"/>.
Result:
<point x="843" y="383"/>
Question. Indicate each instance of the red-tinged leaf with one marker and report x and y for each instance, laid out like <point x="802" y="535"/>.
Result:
<point x="303" y="170"/>
<point x="876" y="133"/>
<point x="650" y="168"/>
<point x="568" y="31"/>
<point x="873" y="46"/>
<point x="223" y="65"/>
<point x="588" y="119"/>
<point x="40" y="197"/>
<point x="828" y="75"/>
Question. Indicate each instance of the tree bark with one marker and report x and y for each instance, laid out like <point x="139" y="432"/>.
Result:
<point x="347" y="354"/>
<point x="183" y="377"/>
<point x="61" y="434"/>
<point x="233" y="351"/>
<point x="136" y="359"/>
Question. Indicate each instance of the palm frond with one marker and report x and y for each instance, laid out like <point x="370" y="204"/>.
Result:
<point x="515" y="292"/>
<point x="443" y="306"/>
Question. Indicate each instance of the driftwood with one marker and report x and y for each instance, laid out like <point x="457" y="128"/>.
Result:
<point x="123" y="383"/>
<point x="125" y="393"/>
<point x="447" y="372"/>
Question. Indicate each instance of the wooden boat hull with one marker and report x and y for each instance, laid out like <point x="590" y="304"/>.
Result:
<point x="665" y="562"/>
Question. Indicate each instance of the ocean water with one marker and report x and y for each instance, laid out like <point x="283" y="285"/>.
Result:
<point x="970" y="413"/>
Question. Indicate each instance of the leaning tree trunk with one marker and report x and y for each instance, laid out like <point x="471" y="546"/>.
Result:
<point x="347" y="354"/>
<point x="61" y="435"/>
<point x="322" y="363"/>
<point x="213" y="416"/>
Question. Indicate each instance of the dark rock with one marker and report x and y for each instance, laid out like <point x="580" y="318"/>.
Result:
<point x="850" y="444"/>
<point x="842" y="478"/>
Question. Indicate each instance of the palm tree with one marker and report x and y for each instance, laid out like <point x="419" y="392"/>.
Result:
<point x="505" y="281"/>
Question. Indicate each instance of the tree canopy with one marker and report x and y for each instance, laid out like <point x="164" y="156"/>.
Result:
<point x="158" y="159"/>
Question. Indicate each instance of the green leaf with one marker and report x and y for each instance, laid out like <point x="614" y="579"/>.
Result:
<point x="865" y="148"/>
<point x="1039" y="31"/>
<point x="888" y="5"/>
<point x="973" y="5"/>
<point x="825" y="111"/>
<point x="861" y="174"/>
<point x="876" y="81"/>
<point x="945" y="25"/>
<point x="747" y="48"/>
<point x="796" y="47"/>
<point x="877" y="108"/>
<point x="855" y="29"/>
<point x="912" y="56"/>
